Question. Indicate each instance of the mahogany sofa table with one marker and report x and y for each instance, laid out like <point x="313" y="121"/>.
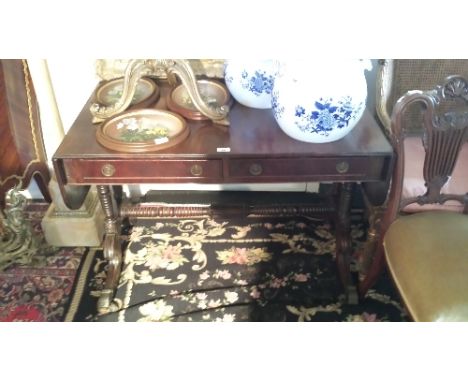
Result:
<point x="253" y="149"/>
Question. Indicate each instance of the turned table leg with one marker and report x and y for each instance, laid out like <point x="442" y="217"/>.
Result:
<point x="112" y="248"/>
<point x="343" y="242"/>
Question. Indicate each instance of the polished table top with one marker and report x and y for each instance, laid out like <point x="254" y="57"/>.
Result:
<point x="252" y="132"/>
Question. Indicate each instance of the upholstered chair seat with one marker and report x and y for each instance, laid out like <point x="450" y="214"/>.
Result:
<point x="427" y="255"/>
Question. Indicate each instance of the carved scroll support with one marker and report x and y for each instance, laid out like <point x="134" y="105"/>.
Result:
<point x="112" y="249"/>
<point x="343" y="243"/>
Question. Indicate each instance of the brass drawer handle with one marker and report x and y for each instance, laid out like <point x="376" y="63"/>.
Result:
<point x="196" y="170"/>
<point x="108" y="169"/>
<point x="342" y="167"/>
<point x="255" y="169"/>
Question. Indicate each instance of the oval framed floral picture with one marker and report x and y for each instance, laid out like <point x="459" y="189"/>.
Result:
<point x="214" y="93"/>
<point x="146" y="92"/>
<point x="142" y="130"/>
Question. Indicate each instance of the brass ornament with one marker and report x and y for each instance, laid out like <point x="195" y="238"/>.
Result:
<point x="18" y="243"/>
<point x="166" y="69"/>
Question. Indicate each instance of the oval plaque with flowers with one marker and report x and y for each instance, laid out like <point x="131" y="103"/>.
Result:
<point x="142" y="130"/>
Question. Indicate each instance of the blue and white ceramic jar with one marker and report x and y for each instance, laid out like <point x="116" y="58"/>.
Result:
<point x="317" y="101"/>
<point x="251" y="82"/>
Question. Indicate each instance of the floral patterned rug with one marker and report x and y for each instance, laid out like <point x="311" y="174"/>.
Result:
<point x="250" y="269"/>
<point x="42" y="290"/>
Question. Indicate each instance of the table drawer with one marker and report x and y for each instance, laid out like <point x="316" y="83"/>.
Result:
<point x="310" y="169"/>
<point x="141" y="171"/>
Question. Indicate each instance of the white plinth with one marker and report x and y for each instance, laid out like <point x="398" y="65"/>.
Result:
<point x="75" y="228"/>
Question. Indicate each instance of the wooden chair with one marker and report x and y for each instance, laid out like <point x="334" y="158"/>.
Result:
<point x="394" y="79"/>
<point x="426" y="236"/>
